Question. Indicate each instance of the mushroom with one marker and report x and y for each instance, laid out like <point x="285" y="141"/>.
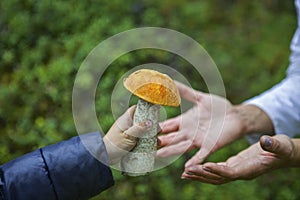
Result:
<point x="153" y="89"/>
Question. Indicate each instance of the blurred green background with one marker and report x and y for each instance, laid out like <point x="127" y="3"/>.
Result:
<point x="44" y="42"/>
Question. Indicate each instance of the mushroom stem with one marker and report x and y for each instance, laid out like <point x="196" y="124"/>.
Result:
<point x="140" y="160"/>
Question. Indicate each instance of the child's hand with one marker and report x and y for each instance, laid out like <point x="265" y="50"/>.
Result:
<point x="122" y="136"/>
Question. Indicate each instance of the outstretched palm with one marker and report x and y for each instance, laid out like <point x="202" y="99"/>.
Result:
<point x="211" y="124"/>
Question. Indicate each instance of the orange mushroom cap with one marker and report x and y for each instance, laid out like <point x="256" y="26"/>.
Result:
<point x="153" y="86"/>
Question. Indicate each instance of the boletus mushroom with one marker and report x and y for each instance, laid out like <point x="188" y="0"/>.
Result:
<point x="153" y="89"/>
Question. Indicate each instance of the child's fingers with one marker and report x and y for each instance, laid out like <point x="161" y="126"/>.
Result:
<point x="139" y="129"/>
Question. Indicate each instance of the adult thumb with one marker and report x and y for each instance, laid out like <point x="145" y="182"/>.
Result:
<point x="279" y="145"/>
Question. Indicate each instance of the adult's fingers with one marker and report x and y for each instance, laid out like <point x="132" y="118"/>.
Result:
<point x="188" y="93"/>
<point x="171" y="138"/>
<point x="170" y="125"/>
<point x="203" y="179"/>
<point x="200" y="170"/>
<point x="220" y="169"/>
<point x="198" y="158"/>
<point x="176" y="149"/>
<point x="168" y="139"/>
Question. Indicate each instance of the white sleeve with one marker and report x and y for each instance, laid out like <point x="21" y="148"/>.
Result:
<point x="282" y="102"/>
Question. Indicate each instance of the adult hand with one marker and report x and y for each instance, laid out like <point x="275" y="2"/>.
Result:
<point x="212" y="123"/>
<point x="121" y="137"/>
<point x="268" y="154"/>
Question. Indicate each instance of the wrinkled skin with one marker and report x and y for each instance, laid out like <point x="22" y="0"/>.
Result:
<point x="269" y="154"/>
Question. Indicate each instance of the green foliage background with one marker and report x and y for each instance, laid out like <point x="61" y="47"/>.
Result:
<point x="44" y="42"/>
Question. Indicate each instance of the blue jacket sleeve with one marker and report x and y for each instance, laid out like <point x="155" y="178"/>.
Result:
<point x="65" y="170"/>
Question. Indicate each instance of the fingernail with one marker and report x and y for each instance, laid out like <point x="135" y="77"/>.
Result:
<point x="158" y="142"/>
<point x="148" y="123"/>
<point x="206" y="169"/>
<point x="267" y="142"/>
<point x="158" y="129"/>
<point x="189" y="173"/>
